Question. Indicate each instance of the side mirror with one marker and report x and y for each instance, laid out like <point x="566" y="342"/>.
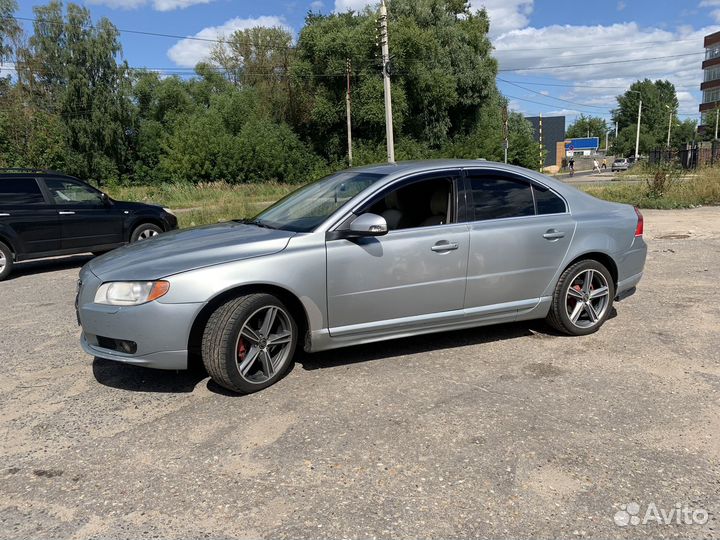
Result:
<point x="368" y="225"/>
<point x="105" y="199"/>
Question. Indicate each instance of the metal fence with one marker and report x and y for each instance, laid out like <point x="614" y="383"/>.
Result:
<point x="691" y="157"/>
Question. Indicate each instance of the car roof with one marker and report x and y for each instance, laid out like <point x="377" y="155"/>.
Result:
<point x="14" y="172"/>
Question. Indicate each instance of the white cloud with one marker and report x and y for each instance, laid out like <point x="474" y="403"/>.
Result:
<point x="188" y="52"/>
<point x="341" y="6"/>
<point x="566" y="45"/>
<point x="505" y="15"/>
<point x="621" y="5"/>
<point x="158" y="5"/>
<point x="317" y="5"/>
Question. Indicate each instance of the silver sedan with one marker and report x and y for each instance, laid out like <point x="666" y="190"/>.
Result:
<point x="364" y="255"/>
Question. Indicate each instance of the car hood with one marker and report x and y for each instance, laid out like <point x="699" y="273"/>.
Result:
<point x="189" y="249"/>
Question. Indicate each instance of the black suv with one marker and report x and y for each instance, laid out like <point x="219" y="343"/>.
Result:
<point x="45" y="214"/>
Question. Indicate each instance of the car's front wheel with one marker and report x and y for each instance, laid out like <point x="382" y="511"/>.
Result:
<point x="144" y="232"/>
<point x="583" y="298"/>
<point x="6" y="261"/>
<point x="249" y="342"/>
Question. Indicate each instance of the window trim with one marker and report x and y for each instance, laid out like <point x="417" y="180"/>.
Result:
<point x="455" y="174"/>
<point x="41" y="187"/>
<point x="531" y="181"/>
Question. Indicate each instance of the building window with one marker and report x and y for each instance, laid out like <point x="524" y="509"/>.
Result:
<point x="712" y="52"/>
<point x="711" y="96"/>
<point x="712" y="74"/>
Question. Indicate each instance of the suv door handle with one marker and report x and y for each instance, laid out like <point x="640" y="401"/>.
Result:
<point x="4" y="215"/>
<point x="444" y="245"/>
<point x="62" y="213"/>
<point x="552" y="234"/>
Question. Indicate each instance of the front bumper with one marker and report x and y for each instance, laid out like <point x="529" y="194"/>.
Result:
<point x="161" y="331"/>
<point x="158" y="360"/>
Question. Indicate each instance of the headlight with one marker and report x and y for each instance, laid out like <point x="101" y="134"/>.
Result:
<point x="168" y="211"/>
<point x="130" y="293"/>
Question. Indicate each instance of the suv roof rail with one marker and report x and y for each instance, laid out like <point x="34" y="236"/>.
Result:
<point x="20" y="170"/>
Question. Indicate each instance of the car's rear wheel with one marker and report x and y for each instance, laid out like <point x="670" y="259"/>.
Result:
<point x="583" y="299"/>
<point x="144" y="232"/>
<point x="6" y="261"/>
<point x="249" y="342"/>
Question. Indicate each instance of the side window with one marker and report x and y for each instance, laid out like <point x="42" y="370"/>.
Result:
<point x="69" y="192"/>
<point x="19" y="191"/>
<point x="496" y="197"/>
<point x="424" y="203"/>
<point x="547" y="202"/>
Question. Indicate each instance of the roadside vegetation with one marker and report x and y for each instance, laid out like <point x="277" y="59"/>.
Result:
<point x="663" y="187"/>
<point x="263" y="107"/>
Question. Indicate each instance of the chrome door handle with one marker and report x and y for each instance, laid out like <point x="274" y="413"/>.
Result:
<point x="66" y="213"/>
<point x="4" y="215"/>
<point x="444" y="246"/>
<point x="552" y="234"/>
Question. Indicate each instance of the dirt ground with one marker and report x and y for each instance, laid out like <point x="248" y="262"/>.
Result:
<point x="508" y="431"/>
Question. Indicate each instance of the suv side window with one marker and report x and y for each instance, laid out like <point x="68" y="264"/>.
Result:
<point x="547" y="202"/>
<point x="496" y="197"/>
<point x="20" y="191"/>
<point x="68" y="192"/>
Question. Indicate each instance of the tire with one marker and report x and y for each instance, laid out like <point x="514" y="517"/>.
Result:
<point x="6" y="261"/>
<point x="144" y="231"/>
<point x="236" y="344"/>
<point x="579" y="309"/>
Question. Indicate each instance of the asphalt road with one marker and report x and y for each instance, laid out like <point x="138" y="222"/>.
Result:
<point x="508" y="431"/>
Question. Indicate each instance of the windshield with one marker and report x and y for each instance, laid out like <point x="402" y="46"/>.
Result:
<point x="309" y="206"/>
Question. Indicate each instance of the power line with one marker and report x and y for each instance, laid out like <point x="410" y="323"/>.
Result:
<point x="614" y="44"/>
<point x="137" y="32"/>
<point x="687" y="87"/>
<point x="551" y="97"/>
<point x="533" y="68"/>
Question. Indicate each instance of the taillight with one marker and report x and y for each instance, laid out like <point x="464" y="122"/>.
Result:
<point x="640" y="223"/>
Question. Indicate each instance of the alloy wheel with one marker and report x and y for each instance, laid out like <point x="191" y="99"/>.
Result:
<point x="3" y="261"/>
<point x="263" y="344"/>
<point x="147" y="233"/>
<point x="587" y="298"/>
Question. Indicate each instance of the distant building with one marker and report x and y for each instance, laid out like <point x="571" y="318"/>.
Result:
<point x="710" y="86"/>
<point x="553" y="132"/>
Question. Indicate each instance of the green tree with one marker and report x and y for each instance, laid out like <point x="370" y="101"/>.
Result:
<point x="10" y="30"/>
<point x="72" y="70"/>
<point x="658" y="100"/>
<point x="588" y="126"/>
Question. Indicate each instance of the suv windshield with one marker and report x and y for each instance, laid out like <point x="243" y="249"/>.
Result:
<point x="309" y="206"/>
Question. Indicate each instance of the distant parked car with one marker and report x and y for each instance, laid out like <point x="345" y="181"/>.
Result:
<point x="364" y="255"/>
<point x="620" y="164"/>
<point x="45" y="214"/>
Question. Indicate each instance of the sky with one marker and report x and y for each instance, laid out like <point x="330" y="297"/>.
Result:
<point x="553" y="55"/>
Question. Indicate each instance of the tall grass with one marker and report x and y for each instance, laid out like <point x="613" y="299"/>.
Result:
<point x="200" y="204"/>
<point x="701" y="188"/>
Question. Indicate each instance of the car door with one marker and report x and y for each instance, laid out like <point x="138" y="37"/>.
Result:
<point x="26" y="219"/>
<point x="519" y="236"/>
<point x="86" y="221"/>
<point x="406" y="277"/>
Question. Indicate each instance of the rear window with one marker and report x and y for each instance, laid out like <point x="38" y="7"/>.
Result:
<point x="19" y="191"/>
<point x="547" y="202"/>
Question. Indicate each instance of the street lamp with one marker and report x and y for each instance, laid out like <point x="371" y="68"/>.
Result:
<point x="672" y="110"/>
<point x="637" y="136"/>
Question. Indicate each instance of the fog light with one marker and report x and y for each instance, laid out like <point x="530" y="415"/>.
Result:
<point x="119" y="345"/>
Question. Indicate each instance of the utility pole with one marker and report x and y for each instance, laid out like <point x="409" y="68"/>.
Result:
<point x="540" y="134"/>
<point x="386" y="80"/>
<point x="505" y="130"/>
<point x="348" y="113"/>
<point x="607" y="137"/>
<point x="717" y="116"/>
<point x="637" y="136"/>
<point x="616" y="129"/>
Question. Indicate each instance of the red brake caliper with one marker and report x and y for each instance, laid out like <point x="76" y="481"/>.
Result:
<point x="241" y="350"/>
